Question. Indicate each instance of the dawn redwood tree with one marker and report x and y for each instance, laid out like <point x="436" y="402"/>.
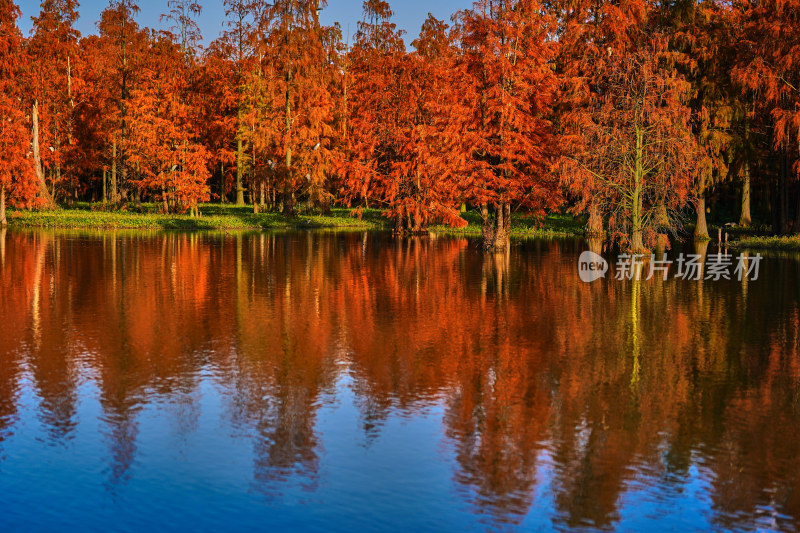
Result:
<point x="510" y="85"/>
<point x="117" y="53"/>
<point x="700" y="34"/>
<point x="162" y="143"/>
<point x="769" y="69"/>
<point x="422" y="182"/>
<point x="590" y="33"/>
<point x="217" y="100"/>
<point x="300" y="109"/>
<point x="54" y="81"/>
<point x="371" y="103"/>
<point x="239" y="42"/>
<point x="404" y="140"/>
<point x="17" y="179"/>
<point x="634" y="151"/>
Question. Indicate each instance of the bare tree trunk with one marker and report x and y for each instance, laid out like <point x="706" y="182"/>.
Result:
<point x="701" y="229"/>
<point x="746" y="219"/>
<point x="594" y="226"/>
<point x="500" y="235"/>
<point x="105" y="185"/>
<point x="239" y="173"/>
<point x="222" y="183"/>
<point x="3" y="221"/>
<point x="37" y="160"/>
<point x="263" y="200"/>
<point x="114" y="193"/>
<point x="486" y="226"/>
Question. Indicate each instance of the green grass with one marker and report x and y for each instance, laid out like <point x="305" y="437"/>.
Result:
<point x="791" y="243"/>
<point x="554" y="224"/>
<point x="216" y="217"/>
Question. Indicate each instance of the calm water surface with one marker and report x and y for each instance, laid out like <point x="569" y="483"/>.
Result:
<point x="354" y="382"/>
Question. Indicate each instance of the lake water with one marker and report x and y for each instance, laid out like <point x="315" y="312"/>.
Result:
<point x="356" y="382"/>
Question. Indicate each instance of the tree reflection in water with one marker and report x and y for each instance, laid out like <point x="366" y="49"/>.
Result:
<point x="578" y="394"/>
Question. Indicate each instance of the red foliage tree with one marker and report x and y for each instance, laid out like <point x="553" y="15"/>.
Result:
<point x="294" y="121"/>
<point x="511" y="87"/>
<point x="403" y="133"/>
<point x="17" y="179"/>
<point x="769" y="69"/>
<point x="162" y="143"/>
<point x="631" y="153"/>
<point x="55" y="84"/>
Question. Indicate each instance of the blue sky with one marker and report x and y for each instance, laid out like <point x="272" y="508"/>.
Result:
<point x="408" y="14"/>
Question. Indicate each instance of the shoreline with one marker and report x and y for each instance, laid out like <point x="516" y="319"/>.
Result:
<point x="216" y="217"/>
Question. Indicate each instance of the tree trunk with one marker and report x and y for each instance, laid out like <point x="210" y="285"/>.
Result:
<point x="594" y="227"/>
<point x="105" y="185"/>
<point x="114" y="195"/>
<point x="124" y="178"/>
<point x="796" y="228"/>
<point x="701" y="229"/>
<point x="239" y="173"/>
<point x="263" y="199"/>
<point x="486" y="226"/>
<point x="637" y="226"/>
<point x="497" y="237"/>
<point x="662" y="218"/>
<point x="746" y="219"/>
<point x="637" y="242"/>
<point x="222" y="183"/>
<point x="288" y="195"/>
<point x="3" y="221"/>
<point x="44" y="194"/>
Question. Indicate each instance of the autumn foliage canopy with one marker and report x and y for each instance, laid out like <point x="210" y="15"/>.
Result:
<point x="634" y="113"/>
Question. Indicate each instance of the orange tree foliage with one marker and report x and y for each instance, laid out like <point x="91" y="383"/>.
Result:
<point x="292" y="115"/>
<point x="280" y="108"/>
<point x="771" y="65"/>
<point x="402" y="137"/>
<point x="768" y="70"/>
<point x="17" y="180"/>
<point x="217" y="102"/>
<point x="55" y="86"/>
<point x="631" y="152"/>
<point x="170" y="163"/>
<point x="115" y="56"/>
<point x="510" y="86"/>
<point x="368" y="153"/>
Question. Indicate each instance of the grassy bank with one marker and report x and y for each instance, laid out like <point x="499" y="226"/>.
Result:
<point x="521" y="226"/>
<point x="790" y="243"/>
<point x="218" y="217"/>
<point x="213" y="217"/>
